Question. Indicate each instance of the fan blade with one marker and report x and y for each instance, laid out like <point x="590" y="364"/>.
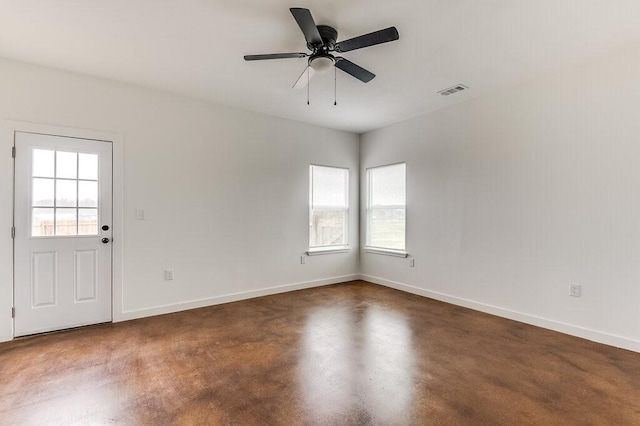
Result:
<point x="355" y="70"/>
<point x="274" y="56"/>
<point x="371" y="39"/>
<point x="303" y="80"/>
<point x="307" y="25"/>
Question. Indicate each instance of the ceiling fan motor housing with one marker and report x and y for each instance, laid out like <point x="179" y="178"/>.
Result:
<point x="321" y="59"/>
<point x="329" y="36"/>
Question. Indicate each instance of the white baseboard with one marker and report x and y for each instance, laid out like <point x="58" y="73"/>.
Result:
<point x="234" y="297"/>
<point x="573" y="330"/>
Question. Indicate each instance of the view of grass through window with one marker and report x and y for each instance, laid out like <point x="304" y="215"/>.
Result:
<point x="386" y="207"/>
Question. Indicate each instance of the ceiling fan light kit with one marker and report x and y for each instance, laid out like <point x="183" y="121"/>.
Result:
<point x="321" y="63"/>
<point x="322" y="42"/>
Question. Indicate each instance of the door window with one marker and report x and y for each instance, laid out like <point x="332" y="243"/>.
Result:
<point x="64" y="193"/>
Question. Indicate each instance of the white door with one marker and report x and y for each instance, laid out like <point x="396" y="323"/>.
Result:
<point x="62" y="243"/>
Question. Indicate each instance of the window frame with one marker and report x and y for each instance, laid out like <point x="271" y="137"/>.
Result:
<point x="337" y="248"/>
<point x="54" y="178"/>
<point x="368" y="210"/>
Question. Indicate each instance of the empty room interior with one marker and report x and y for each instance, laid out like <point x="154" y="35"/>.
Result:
<point x="319" y="213"/>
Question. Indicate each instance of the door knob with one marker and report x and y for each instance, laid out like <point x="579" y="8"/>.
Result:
<point x="105" y="240"/>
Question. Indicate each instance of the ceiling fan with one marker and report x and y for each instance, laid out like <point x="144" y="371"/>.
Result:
<point x="321" y="41"/>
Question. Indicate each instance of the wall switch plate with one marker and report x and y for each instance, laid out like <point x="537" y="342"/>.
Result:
<point x="303" y="260"/>
<point x="575" y="290"/>
<point x="139" y="214"/>
<point x="168" y="275"/>
<point x="412" y="263"/>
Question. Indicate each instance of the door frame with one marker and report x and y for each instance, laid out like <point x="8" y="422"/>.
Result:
<point x="7" y="190"/>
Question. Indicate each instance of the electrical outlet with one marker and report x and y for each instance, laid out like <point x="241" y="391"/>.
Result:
<point x="168" y="275"/>
<point x="303" y="260"/>
<point x="412" y="263"/>
<point x="575" y="290"/>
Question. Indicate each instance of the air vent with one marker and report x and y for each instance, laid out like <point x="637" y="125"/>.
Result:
<point x="454" y="89"/>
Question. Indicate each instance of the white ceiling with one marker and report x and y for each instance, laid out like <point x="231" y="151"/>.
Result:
<point x="195" y="47"/>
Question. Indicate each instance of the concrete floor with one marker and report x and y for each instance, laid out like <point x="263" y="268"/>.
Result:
<point x="347" y="354"/>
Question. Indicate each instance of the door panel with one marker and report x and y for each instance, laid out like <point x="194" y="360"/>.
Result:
<point x="63" y="198"/>
<point x="86" y="275"/>
<point x="44" y="279"/>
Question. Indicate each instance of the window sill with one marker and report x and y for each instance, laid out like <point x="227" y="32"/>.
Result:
<point x="385" y="252"/>
<point x="315" y="252"/>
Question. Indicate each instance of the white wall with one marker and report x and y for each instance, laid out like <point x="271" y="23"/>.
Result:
<point x="225" y="192"/>
<point x="512" y="196"/>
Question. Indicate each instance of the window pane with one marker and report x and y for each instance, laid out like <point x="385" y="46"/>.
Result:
<point x="42" y="192"/>
<point x="387" y="228"/>
<point x="329" y="186"/>
<point x="386" y="207"/>
<point x="88" y="166"/>
<point x="329" y="203"/>
<point x="43" y="163"/>
<point x="66" y="164"/>
<point x="88" y="194"/>
<point x="66" y="222"/>
<point x="66" y="193"/>
<point x="42" y="222"/>
<point x="87" y="221"/>
<point x="328" y="228"/>
<point x="389" y="185"/>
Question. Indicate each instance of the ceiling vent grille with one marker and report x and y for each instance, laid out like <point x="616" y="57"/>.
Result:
<point x="454" y="89"/>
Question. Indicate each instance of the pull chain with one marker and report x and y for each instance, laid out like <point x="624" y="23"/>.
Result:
<point x="308" y="85"/>
<point x="335" y="86"/>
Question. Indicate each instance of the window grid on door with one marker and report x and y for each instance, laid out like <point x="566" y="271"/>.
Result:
<point x="64" y="193"/>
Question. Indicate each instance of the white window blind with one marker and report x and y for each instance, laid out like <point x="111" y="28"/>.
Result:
<point x="386" y="208"/>
<point x="329" y="208"/>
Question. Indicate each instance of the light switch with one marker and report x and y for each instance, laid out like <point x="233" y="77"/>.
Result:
<point x="139" y="214"/>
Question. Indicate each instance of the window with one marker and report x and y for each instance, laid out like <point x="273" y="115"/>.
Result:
<point x="64" y="193"/>
<point x="328" y="208"/>
<point x="386" y="208"/>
